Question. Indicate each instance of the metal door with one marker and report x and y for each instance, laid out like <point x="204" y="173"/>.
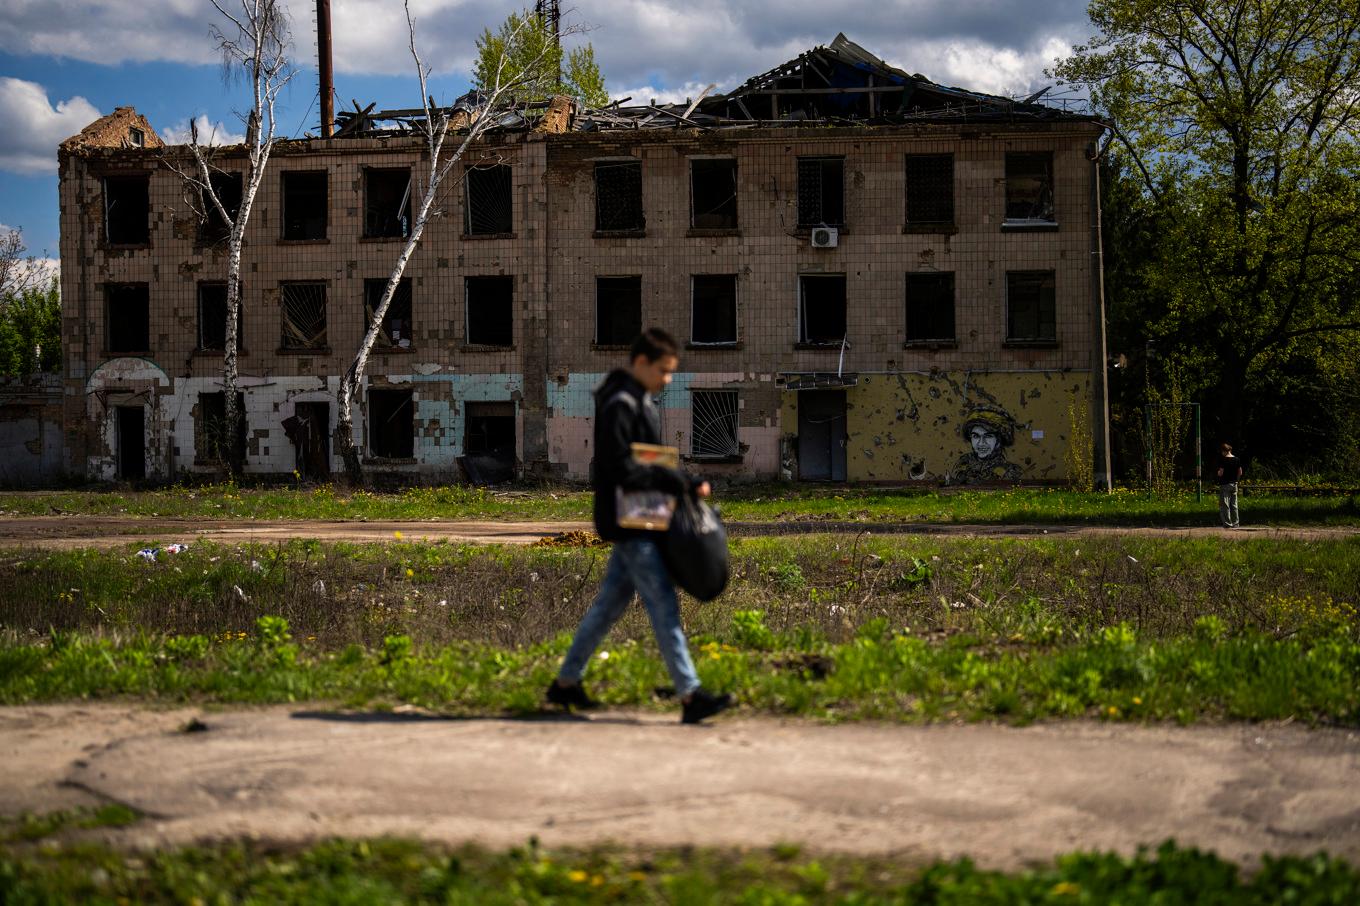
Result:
<point x="821" y="435"/>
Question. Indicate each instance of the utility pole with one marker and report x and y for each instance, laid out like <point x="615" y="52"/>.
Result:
<point x="549" y="12"/>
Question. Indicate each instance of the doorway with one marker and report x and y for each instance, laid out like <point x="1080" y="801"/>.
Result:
<point x="821" y="435"/>
<point x="310" y="433"/>
<point x="131" y="430"/>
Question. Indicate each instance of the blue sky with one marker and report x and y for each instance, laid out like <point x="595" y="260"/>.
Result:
<point x="65" y="62"/>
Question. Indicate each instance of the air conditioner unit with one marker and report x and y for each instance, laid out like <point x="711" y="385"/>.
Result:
<point x="825" y="237"/>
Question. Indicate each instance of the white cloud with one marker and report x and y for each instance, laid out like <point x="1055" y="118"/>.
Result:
<point x="34" y="128"/>
<point x="208" y="133"/>
<point x="645" y="95"/>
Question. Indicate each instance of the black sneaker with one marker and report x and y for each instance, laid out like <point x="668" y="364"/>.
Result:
<point x="704" y="704"/>
<point x="569" y="697"/>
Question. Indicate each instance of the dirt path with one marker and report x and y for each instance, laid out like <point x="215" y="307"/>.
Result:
<point x="65" y="532"/>
<point x="1004" y="796"/>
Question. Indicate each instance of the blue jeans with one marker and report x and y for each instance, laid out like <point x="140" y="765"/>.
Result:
<point x="1227" y="505"/>
<point x="635" y="565"/>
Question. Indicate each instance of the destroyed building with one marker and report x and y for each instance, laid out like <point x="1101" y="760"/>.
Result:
<point x="875" y="278"/>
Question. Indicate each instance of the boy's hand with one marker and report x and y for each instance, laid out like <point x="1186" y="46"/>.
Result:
<point x="703" y="490"/>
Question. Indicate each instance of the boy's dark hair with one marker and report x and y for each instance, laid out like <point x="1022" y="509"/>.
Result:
<point x="1227" y="447"/>
<point x="652" y="344"/>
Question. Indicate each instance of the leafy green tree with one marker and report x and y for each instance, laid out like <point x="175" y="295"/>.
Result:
<point x="525" y="50"/>
<point x="1240" y="118"/>
<point x="30" y="331"/>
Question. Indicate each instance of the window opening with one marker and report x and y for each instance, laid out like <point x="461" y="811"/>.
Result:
<point x="930" y="307"/>
<point x="395" y="329"/>
<point x="930" y="188"/>
<point x="213" y="229"/>
<point x="489" y="429"/>
<point x="713" y="194"/>
<point x="490" y="311"/>
<point x="714" y="425"/>
<point x="304" y="204"/>
<point x="391" y="424"/>
<point x="618" y="310"/>
<point x="387" y="202"/>
<point x="304" y="315"/>
<point x="1031" y="306"/>
<point x="714" y="317"/>
<point x="618" y="196"/>
<point x="490" y="208"/>
<point x="212" y="317"/>
<point x="210" y="434"/>
<point x="127" y="209"/>
<point x="821" y="316"/>
<point x="127" y="314"/>
<point x="136" y="137"/>
<point x="821" y="191"/>
<point x="1029" y="187"/>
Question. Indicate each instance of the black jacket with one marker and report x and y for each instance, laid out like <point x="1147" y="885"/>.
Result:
<point x="624" y="415"/>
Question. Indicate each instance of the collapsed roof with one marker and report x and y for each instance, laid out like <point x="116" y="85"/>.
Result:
<point x="840" y="83"/>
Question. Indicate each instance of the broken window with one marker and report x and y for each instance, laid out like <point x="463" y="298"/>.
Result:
<point x="395" y="329"/>
<point x="618" y="310"/>
<point x="713" y="429"/>
<point x="212" y="317"/>
<point x="1031" y="307"/>
<point x="387" y="202"/>
<point x="489" y="429"/>
<point x="304" y="315"/>
<point x="930" y="307"/>
<point x="821" y="310"/>
<point x="213" y="229"/>
<point x="821" y="191"/>
<point x="1029" y="187"/>
<point x="127" y="210"/>
<point x="930" y="188"/>
<point x="128" y="316"/>
<point x="490" y="311"/>
<point x="136" y="137"/>
<point x="210" y="428"/>
<point x="618" y="196"/>
<point x="490" y="208"/>
<point x="714" y="315"/>
<point x="713" y="194"/>
<point x="304" y="204"/>
<point x="391" y="424"/>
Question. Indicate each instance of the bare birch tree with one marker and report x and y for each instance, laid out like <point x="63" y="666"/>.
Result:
<point x="514" y="73"/>
<point x="254" y="43"/>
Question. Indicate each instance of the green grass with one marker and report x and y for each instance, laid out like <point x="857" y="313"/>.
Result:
<point x="29" y="827"/>
<point x="389" y="871"/>
<point x="755" y="503"/>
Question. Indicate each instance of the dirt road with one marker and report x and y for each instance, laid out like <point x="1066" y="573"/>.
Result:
<point x="1004" y="796"/>
<point x="65" y="532"/>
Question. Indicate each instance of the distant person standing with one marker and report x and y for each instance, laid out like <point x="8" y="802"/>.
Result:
<point x="1229" y="471"/>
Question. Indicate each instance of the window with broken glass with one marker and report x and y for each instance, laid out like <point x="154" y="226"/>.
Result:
<point x="127" y="209"/>
<point x="304" y="204"/>
<point x="391" y="423"/>
<point x="821" y="309"/>
<point x="714" y="426"/>
<point x="713" y="194"/>
<point x="304" y="315"/>
<point x="1031" y="307"/>
<point x="930" y="308"/>
<point x="618" y="310"/>
<point x="488" y="209"/>
<point x="396" y="327"/>
<point x="127" y="314"/>
<point x="212" y="317"/>
<point x="210" y="428"/>
<point x="618" y="197"/>
<point x="213" y="230"/>
<point x="821" y="191"/>
<point x="713" y="319"/>
<point x="387" y="202"/>
<point x="1029" y="189"/>
<point x="490" y="311"/>
<point x="930" y="189"/>
<point x="489" y="429"/>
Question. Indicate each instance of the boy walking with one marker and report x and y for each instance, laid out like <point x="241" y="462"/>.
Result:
<point x="626" y="414"/>
<point x="1229" y="471"/>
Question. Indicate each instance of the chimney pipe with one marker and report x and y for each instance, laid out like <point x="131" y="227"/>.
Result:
<point x="323" y="52"/>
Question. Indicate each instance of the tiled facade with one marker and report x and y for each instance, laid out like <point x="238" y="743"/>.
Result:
<point x="906" y="407"/>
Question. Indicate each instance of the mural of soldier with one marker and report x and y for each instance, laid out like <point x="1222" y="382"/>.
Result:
<point x="988" y="431"/>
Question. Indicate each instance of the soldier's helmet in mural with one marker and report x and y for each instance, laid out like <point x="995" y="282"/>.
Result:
<point x="988" y="430"/>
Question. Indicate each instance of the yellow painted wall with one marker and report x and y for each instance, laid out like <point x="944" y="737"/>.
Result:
<point x="906" y="427"/>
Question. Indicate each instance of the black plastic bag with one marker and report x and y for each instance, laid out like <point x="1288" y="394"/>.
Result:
<point x="695" y="549"/>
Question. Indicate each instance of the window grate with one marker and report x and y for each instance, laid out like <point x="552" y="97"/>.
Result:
<point x="930" y="188"/>
<point x="821" y="191"/>
<point x="714" y="423"/>
<point x="618" y="196"/>
<point x="304" y="315"/>
<point x="490" y="208"/>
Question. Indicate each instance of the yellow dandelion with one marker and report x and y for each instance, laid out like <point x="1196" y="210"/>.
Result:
<point x="1112" y="711"/>
<point x="410" y="573"/>
<point x="596" y="880"/>
<point x="577" y="876"/>
<point x="1065" y="889"/>
<point x="1137" y="700"/>
<point x="637" y="876"/>
<point x="397" y="535"/>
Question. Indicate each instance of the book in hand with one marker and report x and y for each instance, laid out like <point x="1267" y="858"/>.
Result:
<point x="649" y="511"/>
